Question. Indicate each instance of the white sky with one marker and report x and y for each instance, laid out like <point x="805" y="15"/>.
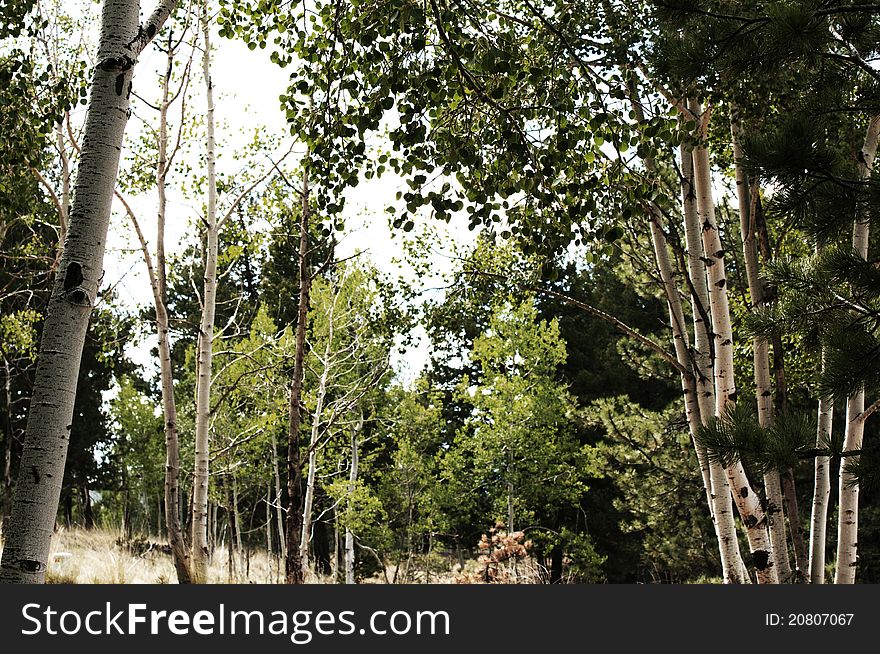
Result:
<point x="246" y="87"/>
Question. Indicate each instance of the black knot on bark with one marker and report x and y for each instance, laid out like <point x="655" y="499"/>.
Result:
<point x="73" y="276"/>
<point x="74" y="291"/>
<point x="744" y="491"/>
<point x="761" y="559"/>
<point x="117" y="64"/>
<point x="27" y="565"/>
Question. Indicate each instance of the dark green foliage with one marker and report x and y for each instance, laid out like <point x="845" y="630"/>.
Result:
<point x="736" y="436"/>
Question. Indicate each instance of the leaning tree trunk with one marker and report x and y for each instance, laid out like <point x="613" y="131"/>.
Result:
<point x="747" y="502"/>
<point x="848" y="515"/>
<point x="158" y="276"/>
<point x="74" y="292"/>
<point x="293" y="561"/>
<point x="733" y="567"/>
<point x="725" y="530"/>
<point x="313" y="451"/>
<point x="761" y="360"/>
<point x="206" y="337"/>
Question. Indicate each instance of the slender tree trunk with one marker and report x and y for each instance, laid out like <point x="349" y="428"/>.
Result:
<point x="269" y="514"/>
<point x="334" y="562"/>
<point x="313" y="449"/>
<point x="88" y="517"/>
<point x="848" y="516"/>
<point x="733" y="567"/>
<point x="8" y="436"/>
<point x="74" y="292"/>
<point x="206" y="334"/>
<point x="821" y="491"/>
<point x="747" y="502"/>
<point x="797" y="539"/>
<point x="293" y="562"/>
<point x="760" y="357"/>
<point x="279" y="510"/>
<point x="720" y="506"/>
<point x="158" y="284"/>
<point x="231" y="526"/>
<point x="352" y="485"/>
<point x="236" y="518"/>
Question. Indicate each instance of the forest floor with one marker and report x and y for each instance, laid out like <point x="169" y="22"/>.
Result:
<point x="101" y="556"/>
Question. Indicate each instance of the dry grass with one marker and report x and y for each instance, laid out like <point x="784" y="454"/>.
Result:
<point x="80" y="556"/>
<point x="100" y="556"/>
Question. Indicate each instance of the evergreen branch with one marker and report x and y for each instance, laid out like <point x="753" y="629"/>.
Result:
<point x="598" y="313"/>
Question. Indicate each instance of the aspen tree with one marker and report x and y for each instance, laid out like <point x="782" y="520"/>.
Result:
<point x="821" y="491"/>
<point x="75" y="290"/>
<point x="760" y="358"/>
<point x="747" y="502"/>
<point x="848" y="515"/>
<point x="720" y="506"/>
<point x="703" y="381"/>
<point x="158" y="276"/>
<point x="206" y="331"/>
<point x="293" y="562"/>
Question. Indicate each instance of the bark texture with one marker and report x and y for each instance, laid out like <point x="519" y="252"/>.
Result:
<point x="848" y="515"/>
<point x="747" y="502"/>
<point x="760" y="357"/>
<point x="293" y="561"/>
<point x="821" y="493"/>
<point x="733" y="566"/>
<point x="74" y="292"/>
<point x="204" y="365"/>
<point x="352" y="485"/>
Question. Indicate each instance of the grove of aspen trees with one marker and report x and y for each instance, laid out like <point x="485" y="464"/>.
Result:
<point x="439" y="291"/>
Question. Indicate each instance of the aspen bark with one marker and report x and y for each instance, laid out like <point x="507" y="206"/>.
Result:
<point x="158" y="276"/>
<point x="747" y="501"/>
<point x="279" y="511"/>
<point x="7" y="440"/>
<point x="313" y="450"/>
<point x="733" y="567"/>
<point x="74" y="292"/>
<point x="206" y="335"/>
<point x="821" y="493"/>
<point x="269" y="521"/>
<point x="293" y="562"/>
<point x="725" y="530"/>
<point x="352" y="485"/>
<point x="848" y="517"/>
<point x="760" y="358"/>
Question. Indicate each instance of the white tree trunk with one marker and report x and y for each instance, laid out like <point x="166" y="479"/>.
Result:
<point x="725" y="529"/>
<point x="279" y="511"/>
<point x="747" y="502"/>
<point x="761" y="361"/>
<point x="309" y="499"/>
<point x="733" y="567"/>
<point x="848" y="516"/>
<point x="74" y="292"/>
<point x="206" y="335"/>
<point x="821" y="492"/>
<point x="352" y="485"/>
<point x="158" y="284"/>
